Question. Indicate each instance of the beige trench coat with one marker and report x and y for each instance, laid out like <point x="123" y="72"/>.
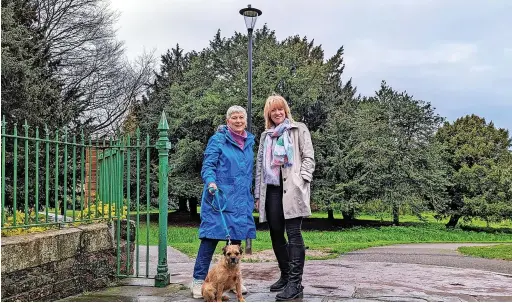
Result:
<point x="296" y="179"/>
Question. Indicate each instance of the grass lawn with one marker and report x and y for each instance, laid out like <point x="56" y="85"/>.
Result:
<point x="336" y="242"/>
<point x="503" y="251"/>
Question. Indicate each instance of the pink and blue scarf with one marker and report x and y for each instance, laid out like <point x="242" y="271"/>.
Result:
<point x="278" y="150"/>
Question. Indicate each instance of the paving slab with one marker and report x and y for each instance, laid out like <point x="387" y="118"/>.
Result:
<point x="352" y="278"/>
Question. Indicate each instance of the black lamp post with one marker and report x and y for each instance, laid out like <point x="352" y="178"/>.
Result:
<point x="250" y="15"/>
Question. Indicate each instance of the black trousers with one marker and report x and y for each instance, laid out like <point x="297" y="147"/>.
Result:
<point x="276" y="221"/>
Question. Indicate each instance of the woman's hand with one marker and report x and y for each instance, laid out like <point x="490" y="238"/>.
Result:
<point x="257" y="205"/>
<point x="212" y="188"/>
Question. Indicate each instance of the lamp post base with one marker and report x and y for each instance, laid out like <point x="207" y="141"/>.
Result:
<point x="162" y="279"/>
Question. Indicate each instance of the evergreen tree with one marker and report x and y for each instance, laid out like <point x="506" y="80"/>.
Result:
<point x="479" y="157"/>
<point x="30" y="93"/>
<point x="29" y="89"/>
<point x="380" y="149"/>
<point x="196" y="89"/>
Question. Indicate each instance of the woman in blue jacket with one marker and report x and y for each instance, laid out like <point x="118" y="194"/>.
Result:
<point x="227" y="168"/>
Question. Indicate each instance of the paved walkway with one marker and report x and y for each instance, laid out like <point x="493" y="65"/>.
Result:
<point x="420" y="272"/>
<point x="439" y="254"/>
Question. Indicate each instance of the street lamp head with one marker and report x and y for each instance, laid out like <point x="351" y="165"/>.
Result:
<point x="250" y="15"/>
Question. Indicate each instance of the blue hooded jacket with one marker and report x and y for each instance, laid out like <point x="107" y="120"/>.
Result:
<point x="231" y="168"/>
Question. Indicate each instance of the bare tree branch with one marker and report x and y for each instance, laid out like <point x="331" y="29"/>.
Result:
<point x="91" y="62"/>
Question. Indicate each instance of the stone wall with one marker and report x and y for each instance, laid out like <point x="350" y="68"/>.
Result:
<point x="56" y="264"/>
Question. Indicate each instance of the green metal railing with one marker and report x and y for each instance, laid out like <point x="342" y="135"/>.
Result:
<point x="47" y="190"/>
<point x="61" y="192"/>
<point x="47" y="210"/>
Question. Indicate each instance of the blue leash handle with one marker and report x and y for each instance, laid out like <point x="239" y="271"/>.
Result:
<point x="219" y="194"/>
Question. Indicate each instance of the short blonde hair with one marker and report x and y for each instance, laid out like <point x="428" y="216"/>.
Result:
<point x="275" y="101"/>
<point x="235" y="109"/>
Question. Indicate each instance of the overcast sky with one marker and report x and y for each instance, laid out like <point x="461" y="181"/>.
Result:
<point x="456" y="54"/>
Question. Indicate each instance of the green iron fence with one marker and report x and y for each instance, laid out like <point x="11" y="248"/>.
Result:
<point x="65" y="179"/>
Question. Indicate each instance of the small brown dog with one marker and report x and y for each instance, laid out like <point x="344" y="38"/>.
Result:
<point x="224" y="276"/>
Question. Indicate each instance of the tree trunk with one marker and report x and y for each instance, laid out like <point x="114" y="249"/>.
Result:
<point x="182" y="204"/>
<point x="454" y="219"/>
<point x="348" y="215"/>
<point x="192" y="202"/>
<point x="396" y="215"/>
<point x="330" y="214"/>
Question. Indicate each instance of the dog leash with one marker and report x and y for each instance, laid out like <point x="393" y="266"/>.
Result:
<point x="217" y="197"/>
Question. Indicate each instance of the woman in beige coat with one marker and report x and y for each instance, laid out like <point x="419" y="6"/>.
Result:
<point x="284" y="170"/>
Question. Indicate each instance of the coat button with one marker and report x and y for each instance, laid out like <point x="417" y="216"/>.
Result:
<point x="284" y="179"/>
<point x="284" y="191"/>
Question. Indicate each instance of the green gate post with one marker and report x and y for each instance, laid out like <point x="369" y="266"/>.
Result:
<point x="162" y="278"/>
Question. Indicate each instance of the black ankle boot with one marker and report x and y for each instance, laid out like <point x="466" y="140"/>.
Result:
<point x="283" y="260"/>
<point x="294" y="288"/>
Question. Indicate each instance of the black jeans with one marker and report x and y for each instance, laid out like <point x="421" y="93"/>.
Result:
<point x="276" y="221"/>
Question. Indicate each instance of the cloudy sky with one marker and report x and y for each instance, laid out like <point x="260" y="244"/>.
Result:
<point x="456" y="54"/>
